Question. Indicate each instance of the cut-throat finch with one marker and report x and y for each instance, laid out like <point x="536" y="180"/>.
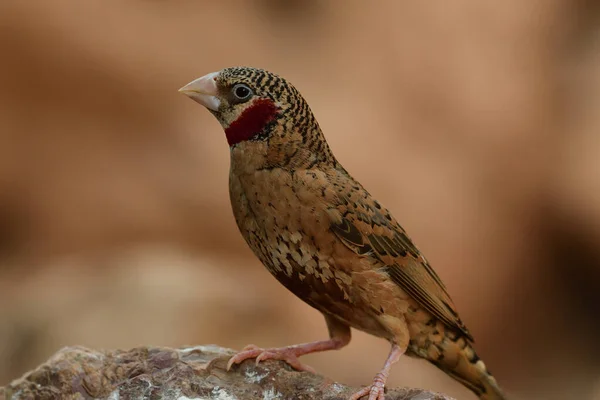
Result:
<point x="326" y="239"/>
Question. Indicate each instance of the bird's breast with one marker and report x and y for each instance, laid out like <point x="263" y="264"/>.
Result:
<point x="283" y="218"/>
<point x="284" y="221"/>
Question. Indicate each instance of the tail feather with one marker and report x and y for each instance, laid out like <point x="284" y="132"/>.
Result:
<point x="486" y="387"/>
<point x="457" y="358"/>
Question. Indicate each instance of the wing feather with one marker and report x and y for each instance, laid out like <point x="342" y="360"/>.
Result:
<point x="370" y="231"/>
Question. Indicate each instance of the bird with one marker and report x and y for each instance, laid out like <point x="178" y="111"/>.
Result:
<point x="322" y="235"/>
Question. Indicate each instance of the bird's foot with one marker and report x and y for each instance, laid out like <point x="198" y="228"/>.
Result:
<point x="376" y="391"/>
<point x="288" y="354"/>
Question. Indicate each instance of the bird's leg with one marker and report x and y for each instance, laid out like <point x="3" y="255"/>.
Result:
<point x="376" y="389"/>
<point x="339" y="336"/>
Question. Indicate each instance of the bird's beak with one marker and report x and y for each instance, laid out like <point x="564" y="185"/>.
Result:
<point x="204" y="91"/>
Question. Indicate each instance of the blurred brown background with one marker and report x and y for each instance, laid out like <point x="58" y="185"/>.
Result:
<point x="476" y="123"/>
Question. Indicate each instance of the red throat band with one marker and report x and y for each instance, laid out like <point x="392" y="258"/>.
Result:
<point x="251" y="122"/>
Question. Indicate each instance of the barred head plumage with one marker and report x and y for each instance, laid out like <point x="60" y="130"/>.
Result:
<point x="259" y="106"/>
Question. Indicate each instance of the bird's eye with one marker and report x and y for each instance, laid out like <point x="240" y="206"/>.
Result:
<point x="242" y="92"/>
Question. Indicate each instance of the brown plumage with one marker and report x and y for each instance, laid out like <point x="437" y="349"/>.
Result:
<point x="324" y="237"/>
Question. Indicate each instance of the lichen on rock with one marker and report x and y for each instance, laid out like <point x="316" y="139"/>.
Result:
<point x="193" y="373"/>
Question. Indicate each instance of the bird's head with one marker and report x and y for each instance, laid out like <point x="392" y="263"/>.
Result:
<point x="262" y="114"/>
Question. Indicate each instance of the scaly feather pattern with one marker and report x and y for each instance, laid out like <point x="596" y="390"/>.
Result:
<point x="324" y="237"/>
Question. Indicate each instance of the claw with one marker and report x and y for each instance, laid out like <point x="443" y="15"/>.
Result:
<point x="250" y="351"/>
<point x="376" y="390"/>
<point x="261" y="357"/>
<point x="375" y="393"/>
<point x="287" y="354"/>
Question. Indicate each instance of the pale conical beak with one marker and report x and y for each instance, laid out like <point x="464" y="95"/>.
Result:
<point x="204" y="91"/>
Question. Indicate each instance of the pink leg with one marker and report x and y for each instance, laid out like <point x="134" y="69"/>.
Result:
<point x="376" y="390"/>
<point x="339" y="333"/>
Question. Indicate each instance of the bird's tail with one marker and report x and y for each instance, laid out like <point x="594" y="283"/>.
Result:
<point x="458" y="359"/>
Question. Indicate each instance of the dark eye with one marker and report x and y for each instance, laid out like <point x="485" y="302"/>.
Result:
<point x="242" y="92"/>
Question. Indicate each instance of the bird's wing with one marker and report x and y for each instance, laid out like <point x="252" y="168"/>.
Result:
<point x="368" y="229"/>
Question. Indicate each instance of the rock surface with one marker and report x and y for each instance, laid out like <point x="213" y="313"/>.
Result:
<point x="178" y="374"/>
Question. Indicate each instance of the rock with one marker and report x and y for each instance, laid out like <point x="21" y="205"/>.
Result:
<point x="176" y="374"/>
